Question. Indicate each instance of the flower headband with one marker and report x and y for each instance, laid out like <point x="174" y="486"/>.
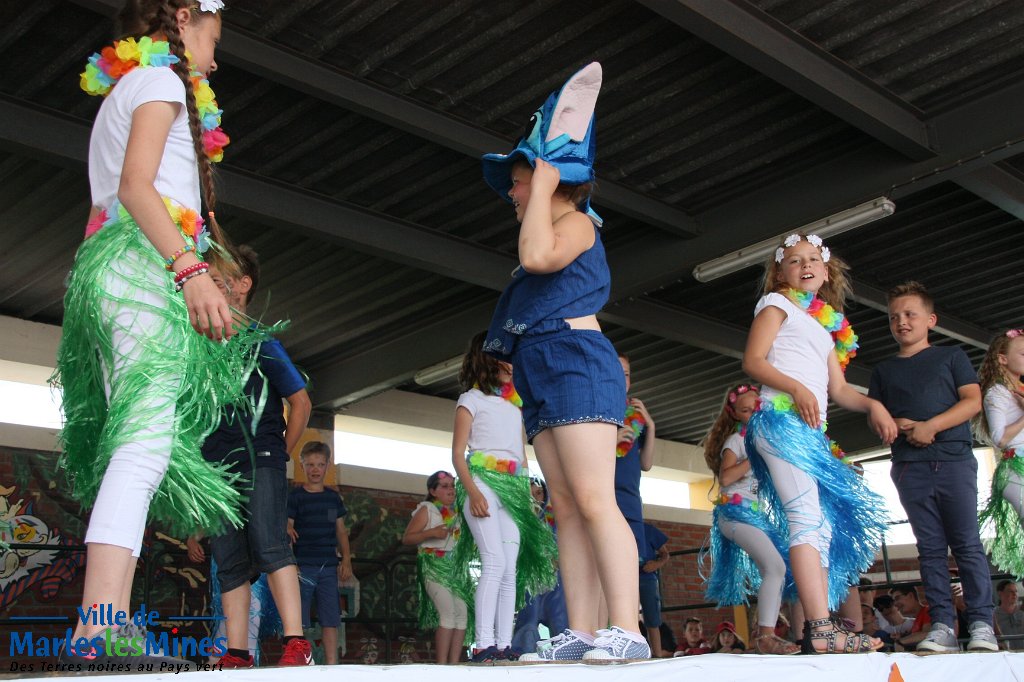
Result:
<point x="740" y="390"/>
<point x="794" y="239"/>
<point x="213" y="6"/>
<point x="1014" y="333"/>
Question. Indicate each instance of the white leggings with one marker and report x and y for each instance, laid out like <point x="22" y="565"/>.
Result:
<point x="772" y="566"/>
<point x="137" y="468"/>
<point x="497" y="537"/>
<point x="1014" y="493"/>
<point x="799" y="495"/>
<point x="451" y="611"/>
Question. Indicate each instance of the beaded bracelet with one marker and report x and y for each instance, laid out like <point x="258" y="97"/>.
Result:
<point x="185" y="272"/>
<point x="169" y="262"/>
<point x="179" y="285"/>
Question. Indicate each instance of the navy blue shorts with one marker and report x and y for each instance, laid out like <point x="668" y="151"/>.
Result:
<point x="321" y="582"/>
<point x="650" y="600"/>
<point x="262" y="545"/>
<point x="571" y="376"/>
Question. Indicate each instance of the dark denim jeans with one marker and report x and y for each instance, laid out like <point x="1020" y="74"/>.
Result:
<point x="941" y="501"/>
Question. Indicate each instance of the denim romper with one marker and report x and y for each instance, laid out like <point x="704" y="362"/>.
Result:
<point x="564" y="375"/>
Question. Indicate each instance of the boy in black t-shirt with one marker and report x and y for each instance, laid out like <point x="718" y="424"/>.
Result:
<point x="257" y="446"/>
<point x="932" y="392"/>
<point x="316" y="525"/>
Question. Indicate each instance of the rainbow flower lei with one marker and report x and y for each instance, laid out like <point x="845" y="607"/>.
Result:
<point x="481" y="460"/>
<point x="634" y="420"/>
<point x="190" y="222"/>
<point x="506" y="391"/>
<point x="105" y="68"/>
<point x="832" y="320"/>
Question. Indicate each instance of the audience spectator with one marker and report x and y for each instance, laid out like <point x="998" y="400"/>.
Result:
<point x="726" y="641"/>
<point x="1009" y="617"/>
<point x="693" y="639"/>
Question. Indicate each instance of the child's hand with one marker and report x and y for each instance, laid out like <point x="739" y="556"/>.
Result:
<point x="639" y="406"/>
<point x="195" y="550"/>
<point x="292" y="534"/>
<point x="439" y="533"/>
<point x="882" y="423"/>
<point x="208" y="310"/>
<point x="478" y="505"/>
<point x="545" y="178"/>
<point x="807" y="407"/>
<point x="919" y="434"/>
<point x="345" y="570"/>
<point x="626" y="435"/>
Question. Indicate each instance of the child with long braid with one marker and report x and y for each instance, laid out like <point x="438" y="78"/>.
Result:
<point x="747" y="552"/>
<point x="142" y="384"/>
<point x="1001" y="423"/>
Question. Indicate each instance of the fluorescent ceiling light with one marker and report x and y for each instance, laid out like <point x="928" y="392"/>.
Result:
<point x="824" y="228"/>
<point x="439" y="372"/>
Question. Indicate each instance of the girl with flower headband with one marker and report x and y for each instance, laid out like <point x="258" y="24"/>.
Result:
<point x="142" y="385"/>
<point x="516" y="549"/>
<point x="1001" y="423"/>
<point x="435" y="526"/>
<point x="747" y="552"/>
<point x="798" y="347"/>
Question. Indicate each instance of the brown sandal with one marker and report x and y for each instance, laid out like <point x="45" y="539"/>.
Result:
<point x="852" y="642"/>
<point x="772" y="644"/>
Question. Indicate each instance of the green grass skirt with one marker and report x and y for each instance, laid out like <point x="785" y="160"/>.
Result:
<point x="117" y="276"/>
<point x="1007" y="546"/>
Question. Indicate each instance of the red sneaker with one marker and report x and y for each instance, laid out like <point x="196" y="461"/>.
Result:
<point x="297" y="652"/>
<point x="232" y="661"/>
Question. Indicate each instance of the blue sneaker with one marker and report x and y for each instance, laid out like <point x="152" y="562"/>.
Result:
<point x="564" y="647"/>
<point x="617" y="644"/>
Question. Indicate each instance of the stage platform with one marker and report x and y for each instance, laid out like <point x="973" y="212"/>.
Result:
<point x="994" y="667"/>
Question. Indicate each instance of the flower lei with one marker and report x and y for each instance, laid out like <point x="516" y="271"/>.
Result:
<point x="1009" y="453"/>
<point x="506" y="391"/>
<point x="634" y="420"/>
<point x="105" y="68"/>
<point x="479" y="459"/>
<point x="448" y="514"/>
<point x="191" y="223"/>
<point x="834" y="322"/>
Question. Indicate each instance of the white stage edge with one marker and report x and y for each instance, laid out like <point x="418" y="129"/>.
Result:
<point x="994" y="667"/>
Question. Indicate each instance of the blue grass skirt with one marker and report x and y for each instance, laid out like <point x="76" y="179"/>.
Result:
<point x="856" y="513"/>
<point x="734" y="575"/>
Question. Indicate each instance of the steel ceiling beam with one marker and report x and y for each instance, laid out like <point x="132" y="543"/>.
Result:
<point x="999" y="184"/>
<point x="769" y="46"/>
<point x="974" y="136"/>
<point x="275" y="62"/>
<point x="66" y="140"/>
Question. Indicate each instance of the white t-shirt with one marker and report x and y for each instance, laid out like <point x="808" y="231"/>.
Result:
<point x="434" y="520"/>
<point x="1001" y="410"/>
<point x="497" y="426"/>
<point x="800" y="350"/>
<point x="746" y="486"/>
<point x="178" y="176"/>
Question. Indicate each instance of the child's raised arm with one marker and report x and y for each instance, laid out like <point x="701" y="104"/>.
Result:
<point x="546" y="246"/>
<point x="755" y="364"/>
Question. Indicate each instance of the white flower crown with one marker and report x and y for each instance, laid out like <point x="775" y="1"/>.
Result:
<point x="794" y="239"/>
<point x="211" y="5"/>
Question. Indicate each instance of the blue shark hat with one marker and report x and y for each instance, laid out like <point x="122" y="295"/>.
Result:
<point x="561" y="132"/>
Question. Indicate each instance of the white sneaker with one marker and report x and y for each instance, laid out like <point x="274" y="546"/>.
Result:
<point x="940" y="638"/>
<point x="617" y="644"/>
<point x="564" y="647"/>
<point x="983" y="638"/>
